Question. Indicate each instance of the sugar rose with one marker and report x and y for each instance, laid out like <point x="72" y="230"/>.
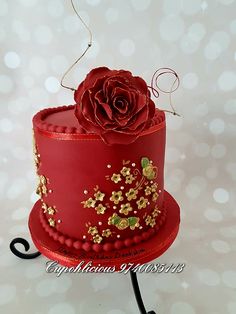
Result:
<point x="114" y="104"/>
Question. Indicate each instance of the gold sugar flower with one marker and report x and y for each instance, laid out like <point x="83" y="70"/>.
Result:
<point x="152" y="222"/>
<point x="142" y="202"/>
<point x="43" y="179"/>
<point x="125" y="209"/>
<point x="89" y="203"/>
<point x="156" y="212"/>
<point x="148" y="220"/>
<point x="149" y="172"/>
<point x="155" y="196"/>
<point x="131" y="194"/>
<point x="148" y="190"/>
<point x="129" y="179"/>
<point x="93" y="230"/>
<point x="123" y="224"/>
<point x="97" y="238"/>
<point x="100" y="209"/>
<point x="111" y="220"/>
<point x="116" y="197"/>
<point x="125" y="171"/>
<point x="99" y="196"/>
<point x="116" y="177"/>
<point x="52" y="222"/>
<point x="154" y="187"/>
<point x="106" y="233"/>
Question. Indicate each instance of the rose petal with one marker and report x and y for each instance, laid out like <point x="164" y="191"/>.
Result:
<point x="111" y="138"/>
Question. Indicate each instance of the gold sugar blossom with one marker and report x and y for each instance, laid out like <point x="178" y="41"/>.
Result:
<point x="155" y="196"/>
<point x="36" y="154"/>
<point x="106" y="233"/>
<point x="150" y="221"/>
<point x="148" y="190"/>
<point x="125" y="209"/>
<point x="42" y="186"/>
<point x="156" y="212"/>
<point x="129" y="179"/>
<point x="125" y="171"/>
<point x="116" y="197"/>
<point x="89" y="203"/>
<point x="52" y="222"/>
<point x="100" y="209"/>
<point x="123" y="223"/>
<point x="99" y="196"/>
<point x="97" y="238"/>
<point x="142" y="202"/>
<point x="154" y="187"/>
<point x="116" y="177"/>
<point x="93" y="230"/>
<point x="51" y="210"/>
<point x="131" y="194"/>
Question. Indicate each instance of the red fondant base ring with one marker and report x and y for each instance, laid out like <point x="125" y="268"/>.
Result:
<point x="140" y="253"/>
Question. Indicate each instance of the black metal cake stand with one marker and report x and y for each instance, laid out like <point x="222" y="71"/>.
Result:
<point x="25" y="255"/>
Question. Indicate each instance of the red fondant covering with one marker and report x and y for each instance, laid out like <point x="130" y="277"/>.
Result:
<point x="74" y="163"/>
<point x="74" y="166"/>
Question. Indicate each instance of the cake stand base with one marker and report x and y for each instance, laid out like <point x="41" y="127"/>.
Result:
<point x="133" y="274"/>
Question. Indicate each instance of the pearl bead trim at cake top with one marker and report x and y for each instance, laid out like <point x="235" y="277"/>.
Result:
<point x="40" y="123"/>
<point x="90" y="246"/>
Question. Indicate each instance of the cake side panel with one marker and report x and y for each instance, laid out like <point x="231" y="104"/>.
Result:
<point x="99" y="193"/>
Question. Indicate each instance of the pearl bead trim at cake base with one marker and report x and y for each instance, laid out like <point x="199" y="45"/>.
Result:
<point x="116" y="245"/>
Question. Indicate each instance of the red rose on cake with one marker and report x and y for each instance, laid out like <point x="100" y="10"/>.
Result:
<point x="114" y="104"/>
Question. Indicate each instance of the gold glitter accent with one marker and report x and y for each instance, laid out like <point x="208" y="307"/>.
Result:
<point x="89" y="203"/>
<point x="129" y="179"/>
<point x="93" y="230"/>
<point x="99" y="196"/>
<point x="131" y="194"/>
<point x="97" y="238"/>
<point x="142" y="202"/>
<point x="116" y="177"/>
<point x="100" y="209"/>
<point x="106" y="233"/>
<point x="125" y="171"/>
<point x="125" y="209"/>
<point x="116" y="197"/>
<point x="52" y="222"/>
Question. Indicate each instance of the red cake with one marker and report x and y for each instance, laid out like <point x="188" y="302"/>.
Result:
<point x="100" y="164"/>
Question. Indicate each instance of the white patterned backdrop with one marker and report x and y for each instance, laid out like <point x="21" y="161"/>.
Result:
<point x="197" y="38"/>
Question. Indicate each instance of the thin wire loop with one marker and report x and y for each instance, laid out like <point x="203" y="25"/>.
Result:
<point x="155" y="88"/>
<point x="85" y="51"/>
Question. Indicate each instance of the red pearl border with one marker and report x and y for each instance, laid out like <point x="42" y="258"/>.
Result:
<point x="88" y="246"/>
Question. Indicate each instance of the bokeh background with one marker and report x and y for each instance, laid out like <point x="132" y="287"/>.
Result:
<point x="38" y="41"/>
